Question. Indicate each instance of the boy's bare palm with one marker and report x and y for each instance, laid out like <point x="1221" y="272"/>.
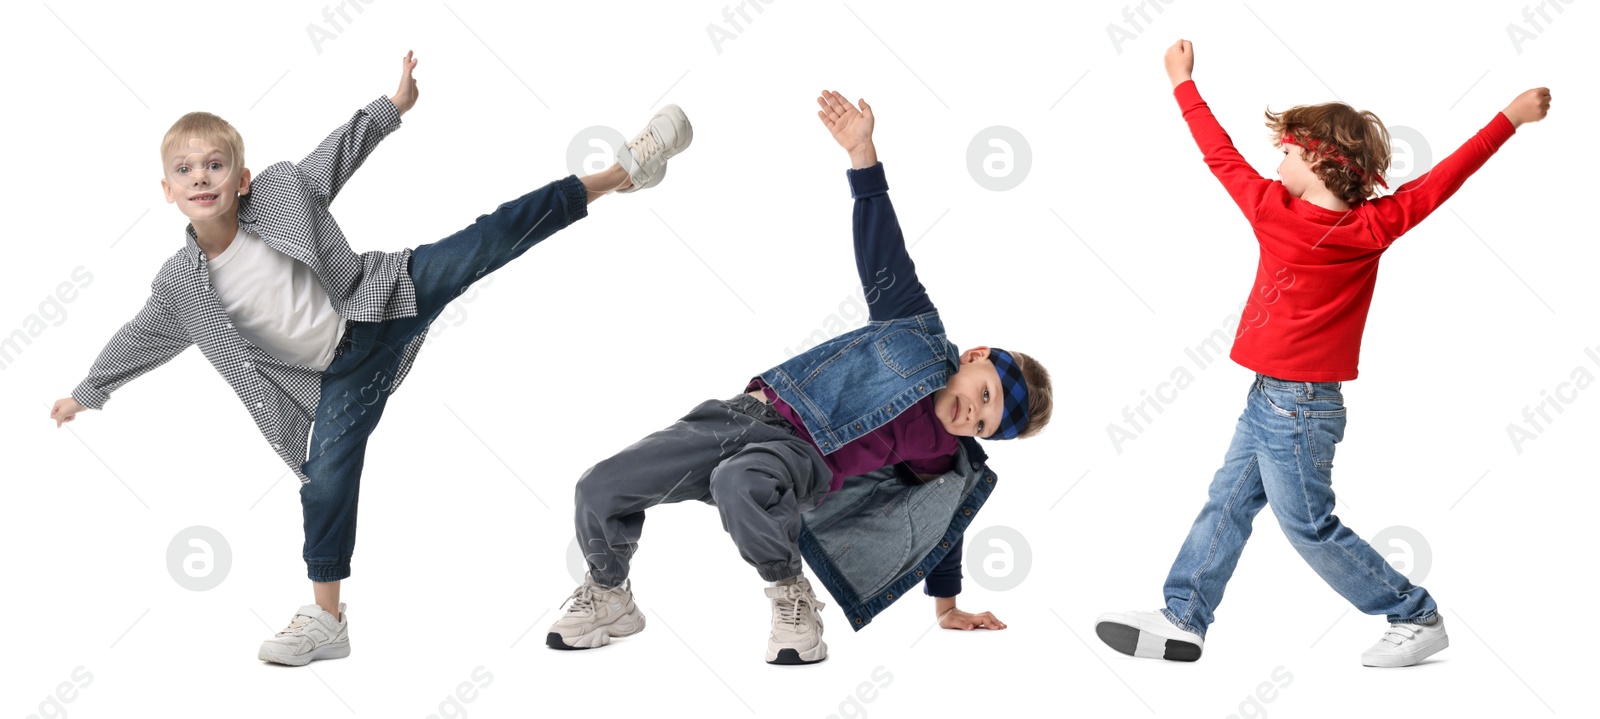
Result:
<point x="851" y="127"/>
<point x="406" y="96"/>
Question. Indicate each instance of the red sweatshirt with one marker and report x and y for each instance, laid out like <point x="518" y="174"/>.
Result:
<point x="1304" y="318"/>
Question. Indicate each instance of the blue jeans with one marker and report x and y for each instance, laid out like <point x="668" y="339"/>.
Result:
<point x="1282" y="454"/>
<point x="357" y="384"/>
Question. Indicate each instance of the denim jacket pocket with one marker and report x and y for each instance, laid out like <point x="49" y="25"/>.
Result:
<point x="909" y="350"/>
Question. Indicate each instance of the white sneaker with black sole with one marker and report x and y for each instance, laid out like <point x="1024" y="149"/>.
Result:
<point x="1148" y="635"/>
<point x="312" y="634"/>
<point x="595" y="615"/>
<point x="1403" y="645"/>
<point x="645" y="156"/>
<point x="796" y="624"/>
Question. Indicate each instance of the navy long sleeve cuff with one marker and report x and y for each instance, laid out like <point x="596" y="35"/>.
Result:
<point x="945" y="579"/>
<point x="867" y="181"/>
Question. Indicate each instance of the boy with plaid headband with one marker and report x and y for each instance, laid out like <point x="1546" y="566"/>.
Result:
<point x="1320" y="239"/>
<point x="892" y="393"/>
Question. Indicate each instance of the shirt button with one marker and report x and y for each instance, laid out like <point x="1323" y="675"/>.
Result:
<point x="247" y="364"/>
<point x="967" y="512"/>
<point x="259" y="405"/>
<point x="230" y="325"/>
<point x="945" y="545"/>
<point x="275" y="445"/>
<point x="941" y="480"/>
<point x="975" y="465"/>
<point x="858" y="425"/>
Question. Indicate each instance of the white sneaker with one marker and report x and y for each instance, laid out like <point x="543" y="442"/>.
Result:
<point x="313" y="634"/>
<point x="1148" y="635"/>
<point x="645" y="156"/>
<point x="1406" y="644"/>
<point x="796" y="624"/>
<point x="595" y="615"/>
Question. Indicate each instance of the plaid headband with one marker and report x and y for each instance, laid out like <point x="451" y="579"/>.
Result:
<point x="1015" y="390"/>
<point x="1312" y="144"/>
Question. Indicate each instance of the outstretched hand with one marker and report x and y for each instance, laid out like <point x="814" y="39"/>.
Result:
<point x="1530" y="106"/>
<point x="1180" y="62"/>
<point x="65" y="409"/>
<point x="406" y="96"/>
<point x="851" y="127"/>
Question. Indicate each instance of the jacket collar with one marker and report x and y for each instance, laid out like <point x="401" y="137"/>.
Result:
<point x="247" y="220"/>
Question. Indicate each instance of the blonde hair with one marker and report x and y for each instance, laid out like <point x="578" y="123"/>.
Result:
<point x="204" y="125"/>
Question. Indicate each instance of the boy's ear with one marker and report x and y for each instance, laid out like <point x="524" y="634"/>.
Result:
<point x="166" y="190"/>
<point x="244" y="182"/>
<point x="975" y="354"/>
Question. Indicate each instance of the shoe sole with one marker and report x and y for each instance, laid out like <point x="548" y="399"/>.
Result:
<point x="339" y="650"/>
<point x="1391" y="662"/>
<point x="1135" y="642"/>
<point x="789" y="656"/>
<point x="625" y="626"/>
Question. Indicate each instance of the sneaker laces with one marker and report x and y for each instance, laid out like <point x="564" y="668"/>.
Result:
<point x="299" y="622"/>
<point x="582" y="598"/>
<point x="646" y="144"/>
<point x="790" y="611"/>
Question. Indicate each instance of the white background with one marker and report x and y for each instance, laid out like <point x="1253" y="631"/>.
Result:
<point x="664" y="298"/>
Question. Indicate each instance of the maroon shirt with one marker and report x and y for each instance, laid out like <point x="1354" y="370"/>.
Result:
<point x="914" y="436"/>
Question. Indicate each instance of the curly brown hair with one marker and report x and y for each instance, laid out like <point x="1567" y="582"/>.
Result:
<point x="1040" y="402"/>
<point x="1334" y="128"/>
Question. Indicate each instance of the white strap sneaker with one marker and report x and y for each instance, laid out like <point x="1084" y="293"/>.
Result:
<point x="311" y="635"/>
<point x="1403" y="645"/>
<point x="645" y="156"/>
<point x="796" y="624"/>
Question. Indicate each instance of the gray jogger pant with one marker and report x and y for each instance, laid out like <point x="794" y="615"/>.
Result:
<point x="737" y="454"/>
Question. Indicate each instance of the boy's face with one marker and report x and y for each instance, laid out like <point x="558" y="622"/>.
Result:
<point x="971" y="404"/>
<point x="1295" y="173"/>
<point x="203" y="180"/>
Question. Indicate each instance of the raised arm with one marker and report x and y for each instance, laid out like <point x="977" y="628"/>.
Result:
<point x="888" y="276"/>
<point x="1246" y="186"/>
<point x="329" y="166"/>
<point x="1395" y="214"/>
<point x="144" y="343"/>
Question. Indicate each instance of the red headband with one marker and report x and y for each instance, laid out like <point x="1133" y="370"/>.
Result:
<point x="1311" y="144"/>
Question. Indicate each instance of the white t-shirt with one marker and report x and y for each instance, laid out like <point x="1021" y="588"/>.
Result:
<point x="276" y="302"/>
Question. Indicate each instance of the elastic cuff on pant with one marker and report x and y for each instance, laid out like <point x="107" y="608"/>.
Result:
<point x="778" y="572"/>
<point x="327" y="571"/>
<point x="576" y="196"/>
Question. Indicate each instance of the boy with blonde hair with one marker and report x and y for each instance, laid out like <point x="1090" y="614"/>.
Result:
<point x="313" y="337"/>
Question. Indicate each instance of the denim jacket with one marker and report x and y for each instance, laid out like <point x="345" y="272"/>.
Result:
<point x="878" y="536"/>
